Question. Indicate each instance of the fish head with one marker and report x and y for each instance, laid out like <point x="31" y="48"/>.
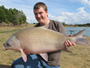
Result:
<point x="12" y="43"/>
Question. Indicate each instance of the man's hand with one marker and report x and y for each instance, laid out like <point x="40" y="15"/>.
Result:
<point x="68" y="43"/>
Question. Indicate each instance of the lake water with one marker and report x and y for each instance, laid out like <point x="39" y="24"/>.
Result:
<point x="74" y="30"/>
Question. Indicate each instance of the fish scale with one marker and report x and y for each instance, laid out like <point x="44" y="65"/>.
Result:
<point x="39" y="40"/>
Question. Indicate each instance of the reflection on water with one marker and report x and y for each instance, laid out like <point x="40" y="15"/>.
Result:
<point x="74" y="30"/>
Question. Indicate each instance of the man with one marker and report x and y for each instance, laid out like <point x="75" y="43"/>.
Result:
<point x="35" y="61"/>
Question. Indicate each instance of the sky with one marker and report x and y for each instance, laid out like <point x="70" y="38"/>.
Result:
<point x="68" y="11"/>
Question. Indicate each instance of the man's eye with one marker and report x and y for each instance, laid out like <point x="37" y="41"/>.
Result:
<point x="35" y="13"/>
<point x="40" y="13"/>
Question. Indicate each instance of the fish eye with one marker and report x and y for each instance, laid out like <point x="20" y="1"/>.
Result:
<point x="8" y="44"/>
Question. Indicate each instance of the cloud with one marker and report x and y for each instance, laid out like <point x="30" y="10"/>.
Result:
<point x="64" y="8"/>
<point x="86" y="2"/>
<point x="79" y="17"/>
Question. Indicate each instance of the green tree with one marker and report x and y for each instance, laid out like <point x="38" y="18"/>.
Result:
<point x="12" y="15"/>
<point x="2" y="15"/>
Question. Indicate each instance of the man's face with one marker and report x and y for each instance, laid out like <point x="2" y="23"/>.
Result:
<point x="40" y="14"/>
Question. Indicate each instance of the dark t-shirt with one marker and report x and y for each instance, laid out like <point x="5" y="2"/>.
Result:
<point x="54" y="57"/>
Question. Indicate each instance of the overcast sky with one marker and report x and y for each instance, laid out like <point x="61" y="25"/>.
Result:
<point x="68" y="11"/>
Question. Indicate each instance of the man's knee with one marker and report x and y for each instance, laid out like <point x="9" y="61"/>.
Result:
<point x="32" y="61"/>
<point x="19" y="62"/>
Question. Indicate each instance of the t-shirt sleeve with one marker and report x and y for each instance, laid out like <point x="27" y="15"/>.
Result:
<point x="61" y="28"/>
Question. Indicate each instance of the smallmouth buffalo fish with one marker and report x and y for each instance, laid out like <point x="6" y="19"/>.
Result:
<point x="39" y="40"/>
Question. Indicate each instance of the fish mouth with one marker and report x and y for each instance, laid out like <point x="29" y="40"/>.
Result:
<point x="5" y="47"/>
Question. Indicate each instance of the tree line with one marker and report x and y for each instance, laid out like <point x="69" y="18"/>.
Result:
<point x="79" y="25"/>
<point x="13" y="16"/>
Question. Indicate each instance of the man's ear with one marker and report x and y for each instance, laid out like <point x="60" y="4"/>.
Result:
<point x="47" y="13"/>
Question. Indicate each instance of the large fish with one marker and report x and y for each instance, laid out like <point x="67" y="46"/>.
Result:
<point x="39" y="40"/>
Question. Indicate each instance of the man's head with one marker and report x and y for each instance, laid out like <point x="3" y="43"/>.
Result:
<point x="40" y="4"/>
<point x="41" y="13"/>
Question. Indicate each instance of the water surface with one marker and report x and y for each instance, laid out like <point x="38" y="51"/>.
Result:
<point x="74" y="30"/>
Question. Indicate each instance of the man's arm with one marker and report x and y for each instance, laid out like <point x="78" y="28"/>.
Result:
<point x="61" y="29"/>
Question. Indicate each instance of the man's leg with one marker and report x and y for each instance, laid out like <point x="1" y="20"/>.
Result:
<point x="44" y="65"/>
<point x="32" y="62"/>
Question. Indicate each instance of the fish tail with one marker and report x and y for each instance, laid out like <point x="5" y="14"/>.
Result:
<point x="82" y="41"/>
<point x="79" y="39"/>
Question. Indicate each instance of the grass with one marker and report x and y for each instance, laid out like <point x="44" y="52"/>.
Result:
<point x="80" y="58"/>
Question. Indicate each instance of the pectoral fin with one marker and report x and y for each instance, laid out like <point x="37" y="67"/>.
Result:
<point x="67" y="49"/>
<point x="24" y="56"/>
<point x="44" y="56"/>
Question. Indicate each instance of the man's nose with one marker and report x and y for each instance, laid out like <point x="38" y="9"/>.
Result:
<point x="38" y="15"/>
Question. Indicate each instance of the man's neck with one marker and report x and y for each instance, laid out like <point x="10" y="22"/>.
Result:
<point x="45" y="23"/>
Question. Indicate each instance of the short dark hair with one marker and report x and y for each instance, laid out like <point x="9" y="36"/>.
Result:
<point x="40" y="4"/>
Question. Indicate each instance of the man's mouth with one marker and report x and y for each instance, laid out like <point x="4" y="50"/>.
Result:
<point x="38" y="18"/>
